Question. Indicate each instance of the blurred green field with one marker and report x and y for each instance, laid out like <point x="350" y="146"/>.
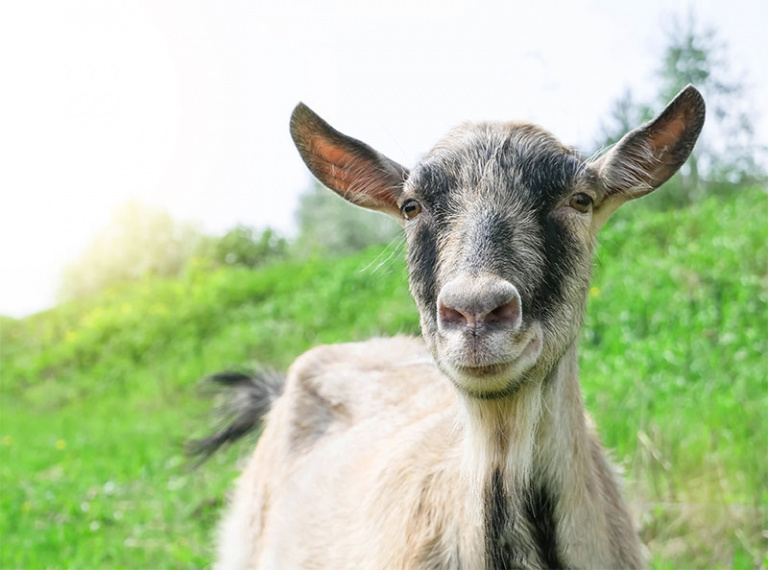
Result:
<point x="97" y="398"/>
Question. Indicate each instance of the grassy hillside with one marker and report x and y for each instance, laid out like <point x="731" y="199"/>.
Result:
<point x="97" y="398"/>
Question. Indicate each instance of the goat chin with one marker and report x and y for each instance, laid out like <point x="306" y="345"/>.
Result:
<point x="499" y="372"/>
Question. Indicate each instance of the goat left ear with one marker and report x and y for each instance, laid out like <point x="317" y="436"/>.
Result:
<point x="648" y="156"/>
<point x="351" y="168"/>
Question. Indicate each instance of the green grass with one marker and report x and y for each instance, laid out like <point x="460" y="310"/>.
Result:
<point x="97" y="398"/>
<point x="675" y="371"/>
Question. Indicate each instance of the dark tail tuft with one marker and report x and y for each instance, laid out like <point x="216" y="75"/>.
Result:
<point x="247" y="398"/>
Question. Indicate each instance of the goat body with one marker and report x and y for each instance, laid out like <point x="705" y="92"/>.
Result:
<point x="366" y="462"/>
<point x="470" y="448"/>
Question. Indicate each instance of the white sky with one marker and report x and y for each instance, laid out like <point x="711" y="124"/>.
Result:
<point x="185" y="104"/>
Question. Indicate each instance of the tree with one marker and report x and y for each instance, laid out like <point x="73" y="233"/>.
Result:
<point x="625" y="115"/>
<point x="140" y="241"/>
<point x="326" y="223"/>
<point x="726" y="154"/>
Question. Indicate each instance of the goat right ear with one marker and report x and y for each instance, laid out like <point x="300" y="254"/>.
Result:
<point x="347" y="166"/>
<point x="648" y="156"/>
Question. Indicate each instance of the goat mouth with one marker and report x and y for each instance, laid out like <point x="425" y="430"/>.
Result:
<point x="482" y="371"/>
<point x="514" y="363"/>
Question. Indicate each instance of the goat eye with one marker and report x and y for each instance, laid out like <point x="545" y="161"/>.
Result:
<point x="410" y="209"/>
<point x="581" y="202"/>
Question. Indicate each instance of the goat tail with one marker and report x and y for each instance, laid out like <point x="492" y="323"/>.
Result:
<point x="247" y="397"/>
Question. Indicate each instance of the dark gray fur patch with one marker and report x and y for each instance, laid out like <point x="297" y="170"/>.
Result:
<point x="490" y="244"/>
<point x="540" y="513"/>
<point x="501" y="550"/>
<point x="422" y="264"/>
<point x="519" y="537"/>
<point x="561" y="251"/>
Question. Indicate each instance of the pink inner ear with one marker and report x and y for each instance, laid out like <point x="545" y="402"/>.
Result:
<point x="337" y="164"/>
<point x="330" y="153"/>
<point x="359" y="182"/>
<point x="668" y="135"/>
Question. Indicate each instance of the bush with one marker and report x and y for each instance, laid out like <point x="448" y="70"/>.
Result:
<point x="239" y="247"/>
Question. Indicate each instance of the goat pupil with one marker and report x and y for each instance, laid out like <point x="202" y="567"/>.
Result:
<point x="411" y="208"/>
<point x="581" y="201"/>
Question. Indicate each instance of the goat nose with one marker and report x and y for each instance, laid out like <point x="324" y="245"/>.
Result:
<point x="463" y="303"/>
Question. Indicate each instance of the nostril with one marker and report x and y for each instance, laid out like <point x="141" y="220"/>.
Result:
<point x="451" y="316"/>
<point x="506" y="314"/>
<point x="471" y="303"/>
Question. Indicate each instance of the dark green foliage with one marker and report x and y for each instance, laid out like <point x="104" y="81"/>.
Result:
<point x="97" y="397"/>
<point x="239" y="246"/>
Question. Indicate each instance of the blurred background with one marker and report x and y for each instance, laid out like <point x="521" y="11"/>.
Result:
<point x="157" y="225"/>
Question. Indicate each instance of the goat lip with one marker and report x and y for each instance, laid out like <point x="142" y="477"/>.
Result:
<point x="487" y="370"/>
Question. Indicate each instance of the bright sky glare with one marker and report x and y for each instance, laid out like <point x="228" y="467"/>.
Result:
<point x="185" y="104"/>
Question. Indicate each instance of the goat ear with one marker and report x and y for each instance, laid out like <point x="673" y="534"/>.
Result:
<point x="648" y="156"/>
<point x="347" y="166"/>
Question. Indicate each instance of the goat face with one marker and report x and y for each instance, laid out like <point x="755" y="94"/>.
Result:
<point x="500" y="222"/>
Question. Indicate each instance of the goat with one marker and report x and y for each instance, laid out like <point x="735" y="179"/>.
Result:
<point x="469" y="448"/>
